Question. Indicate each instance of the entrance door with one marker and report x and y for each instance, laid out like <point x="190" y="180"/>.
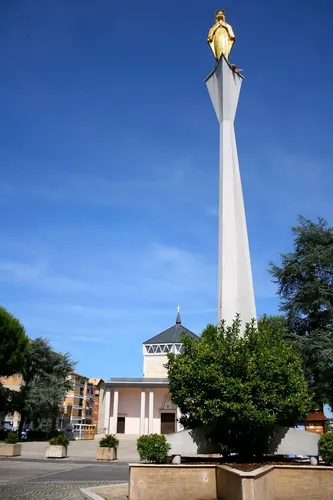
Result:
<point x="121" y="425"/>
<point x="168" y="421"/>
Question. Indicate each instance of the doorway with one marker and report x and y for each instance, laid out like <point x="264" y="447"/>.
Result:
<point x="121" y="425"/>
<point x="168" y="421"/>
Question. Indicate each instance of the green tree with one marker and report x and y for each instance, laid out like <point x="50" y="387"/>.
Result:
<point x="276" y="322"/>
<point x="13" y="344"/>
<point x="46" y="383"/>
<point x="305" y="286"/>
<point x="241" y="385"/>
<point x="13" y="351"/>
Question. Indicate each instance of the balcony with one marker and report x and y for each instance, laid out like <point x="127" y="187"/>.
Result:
<point x="76" y="386"/>
<point x="91" y="398"/>
<point x="74" y="395"/>
<point x="76" y="414"/>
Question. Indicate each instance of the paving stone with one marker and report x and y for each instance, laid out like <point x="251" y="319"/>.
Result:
<point x="110" y="492"/>
<point x="48" y="490"/>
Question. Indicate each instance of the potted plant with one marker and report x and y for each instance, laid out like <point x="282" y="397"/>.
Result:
<point x="107" y="447"/>
<point x="57" y="447"/>
<point x="11" y="447"/>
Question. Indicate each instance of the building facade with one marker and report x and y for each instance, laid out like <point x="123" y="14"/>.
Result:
<point x="78" y="404"/>
<point x="143" y="405"/>
<point x="315" y="422"/>
<point x="99" y="403"/>
<point x="12" y="383"/>
<point x="76" y="407"/>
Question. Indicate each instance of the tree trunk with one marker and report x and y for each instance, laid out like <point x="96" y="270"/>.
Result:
<point x="54" y="422"/>
<point x="21" y="424"/>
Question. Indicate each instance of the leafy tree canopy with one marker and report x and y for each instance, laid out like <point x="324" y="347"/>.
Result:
<point x="305" y="286"/>
<point x="13" y="344"/>
<point x="46" y="383"/>
<point x="13" y="350"/>
<point x="240" y="385"/>
<point x="276" y="322"/>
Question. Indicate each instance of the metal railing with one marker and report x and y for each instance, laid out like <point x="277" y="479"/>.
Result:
<point x="84" y="431"/>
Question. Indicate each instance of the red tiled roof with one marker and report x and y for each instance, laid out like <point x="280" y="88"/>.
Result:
<point x="77" y="374"/>
<point x="315" y="416"/>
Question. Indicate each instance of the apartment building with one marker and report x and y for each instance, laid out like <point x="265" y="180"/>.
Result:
<point x="99" y="403"/>
<point x="78" y="404"/>
<point x="14" y="384"/>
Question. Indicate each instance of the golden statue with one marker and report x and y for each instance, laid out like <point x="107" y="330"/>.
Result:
<point x="221" y="36"/>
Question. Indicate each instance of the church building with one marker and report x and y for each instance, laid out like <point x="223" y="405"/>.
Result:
<point x="142" y="405"/>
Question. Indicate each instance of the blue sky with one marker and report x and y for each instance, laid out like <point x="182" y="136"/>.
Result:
<point x="109" y="162"/>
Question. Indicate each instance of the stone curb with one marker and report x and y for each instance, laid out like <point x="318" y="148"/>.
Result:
<point x="92" y="495"/>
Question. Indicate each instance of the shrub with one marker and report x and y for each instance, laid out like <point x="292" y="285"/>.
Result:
<point x="37" y="435"/>
<point x="41" y="435"/>
<point x="153" y="448"/>
<point x="109" y="441"/>
<point x="326" y="448"/>
<point x="12" y="438"/>
<point x="52" y="433"/>
<point x="239" y="385"/>
<point x="60" y="440"/>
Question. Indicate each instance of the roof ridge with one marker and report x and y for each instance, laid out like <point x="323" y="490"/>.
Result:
<point x="170" y="336"/>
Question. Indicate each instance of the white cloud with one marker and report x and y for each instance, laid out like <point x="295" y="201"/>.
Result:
<point x="38" y="276"/>
<point x="119" y="313"/>
<point x="182" y="268"/>
<point x="182" y="181"/>
<point x="103" y="190"/>
<point x="212" y="210"/>
<point x="290" y="185"/>
<point x="156" y="274"/>
<point x="83" y="338"/>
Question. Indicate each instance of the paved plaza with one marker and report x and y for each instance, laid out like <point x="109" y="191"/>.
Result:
<point x="85" y="450"/>
<point x="31" y="476"/>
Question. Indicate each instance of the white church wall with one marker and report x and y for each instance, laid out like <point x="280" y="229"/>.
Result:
<point x="147" y="413"/>
<point x="106" y="408"/>
<point x="101" y="408"/>
<point x="159" y="396"/>
<point x="129" y="407"/>
<point x="286" y="441"/>
<point x="153" y="366"/>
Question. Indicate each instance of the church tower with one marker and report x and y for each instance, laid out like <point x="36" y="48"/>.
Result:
<point x="155" y="350"/>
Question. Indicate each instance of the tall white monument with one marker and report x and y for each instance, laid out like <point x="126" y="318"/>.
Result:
<point x="235" y="285"/>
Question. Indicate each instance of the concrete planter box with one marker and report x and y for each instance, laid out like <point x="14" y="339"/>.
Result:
<point x="10" y="450"/>
<point x="106" y="454"/>
<point x="53" y="451"/>
<point x="185" y="482"/>
<point x="210" y="482"/>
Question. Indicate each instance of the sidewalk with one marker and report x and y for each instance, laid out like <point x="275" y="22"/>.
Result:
<point x="83" y="450"/>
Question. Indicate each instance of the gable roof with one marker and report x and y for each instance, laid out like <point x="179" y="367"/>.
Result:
<point x="95" y="381"/>
<point x="315" y="416"/>
<point x="172" y="334"/>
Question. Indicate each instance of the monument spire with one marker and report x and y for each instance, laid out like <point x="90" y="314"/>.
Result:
<point x="235" y="285"/>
